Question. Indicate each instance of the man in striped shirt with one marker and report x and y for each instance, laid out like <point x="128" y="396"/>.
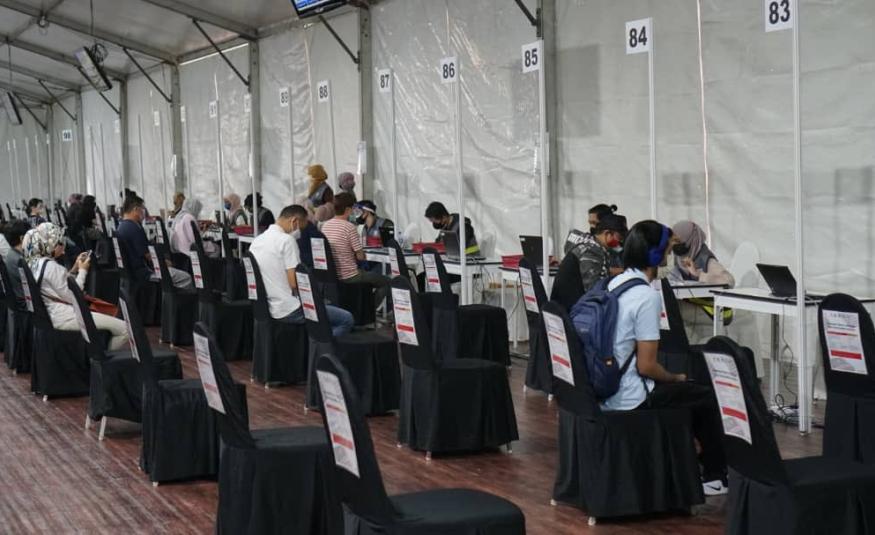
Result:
<point x="346" y="247"/>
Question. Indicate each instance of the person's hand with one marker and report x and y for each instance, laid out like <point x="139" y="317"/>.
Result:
<point x="690" y="267"/>
<point x="83" y="262"/>
<point x="680" y="378"/>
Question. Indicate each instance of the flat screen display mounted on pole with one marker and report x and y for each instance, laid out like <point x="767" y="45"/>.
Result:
<point x="309" y="8"/>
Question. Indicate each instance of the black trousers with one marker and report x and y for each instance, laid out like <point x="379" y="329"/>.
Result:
<point x="707" y="425"/>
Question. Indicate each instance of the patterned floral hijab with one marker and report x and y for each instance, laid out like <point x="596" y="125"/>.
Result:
<point x="40" y="243"/>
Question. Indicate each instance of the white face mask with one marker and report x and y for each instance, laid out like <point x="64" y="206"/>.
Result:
<point x="296" y="234"/>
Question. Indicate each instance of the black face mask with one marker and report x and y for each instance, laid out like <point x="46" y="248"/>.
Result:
<point x="681" y="249"/>
<point x="361" y="220"/>
<point x="592" y="231"/>
<point x="437" y="226"/>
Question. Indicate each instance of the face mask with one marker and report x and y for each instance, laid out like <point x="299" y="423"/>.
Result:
<point x="227" y="206"/>
<point x="681" y="249"/>
<point x="592" y="231"/>
<point x="296" y="234"/>
<point x="437" y="226"/>
<point x="614" y="244"/>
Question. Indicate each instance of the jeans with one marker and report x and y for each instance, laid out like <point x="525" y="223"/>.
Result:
<point x="340" y="320"/>
<point x="707" y="424"/>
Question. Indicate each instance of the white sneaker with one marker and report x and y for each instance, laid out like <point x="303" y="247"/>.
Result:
<point x="714" y="488"/>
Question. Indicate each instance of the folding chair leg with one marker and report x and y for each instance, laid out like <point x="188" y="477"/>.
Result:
<point x="549" y="398"/>
<point x="591" y="521"/>
<point x="45" y="399"/>
<point x="509" y="448"/>
<point x="552" y="502"/>
<point x="525" y="389"/>
<point x="87" y="421"/>
<point x="428" y="456"/>
<point x="102" y="432"/>
<point x="154" y="484"/>
<point x="306" y="410"/>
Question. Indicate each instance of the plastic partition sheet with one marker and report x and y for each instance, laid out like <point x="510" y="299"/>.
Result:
<point x="102" y="163"/>
<point x="499" y="115"/>
<point x="284" y="64"/>
<point x="143" y="102"/>
<point x="198" y="80"/>
<point x="29" y="135"/>
<point x="66" y="158"/>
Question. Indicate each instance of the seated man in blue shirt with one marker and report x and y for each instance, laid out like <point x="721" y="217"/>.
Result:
<point x="309" y="230"/>
<point x="131" y="235"/>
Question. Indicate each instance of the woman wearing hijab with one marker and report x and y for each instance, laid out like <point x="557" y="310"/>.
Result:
<point x="693" y="260"/>
<point x="319" y="192"/>
<point x="236" y="213"/>
<point x="178" y="201"/>
<point x="42" y="246"/>
<point x="346" y="181"/>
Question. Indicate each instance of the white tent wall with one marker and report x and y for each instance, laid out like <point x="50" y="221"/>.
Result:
<point x="326" y="60"/>
<point x="198" y="90"/>
<point x="67" y="178"/>
<point x="103" y="158"/>
<point x="499" y="115"/>
<point x="28" y="138"/>
<point x="284" y="64"/>
<point x="143" y="103"/>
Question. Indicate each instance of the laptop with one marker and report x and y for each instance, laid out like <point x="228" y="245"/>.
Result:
<point x="781" y="282"/>
<point x="533" y="250"/>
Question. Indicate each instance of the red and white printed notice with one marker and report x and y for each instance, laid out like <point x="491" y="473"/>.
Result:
<point x="405" y="326"/>
<point x="205" y="369"/>
<point x="196" y="270"/>
<point x="156" y="267"/>
<point x="342" y="440"/>
<point x="320" y="259"/>
<point x="560" y="356"/>
<point x="663" y="314"/>
<point x="393" y="262"/>
<point x="730" y="397"/>
<point x="843" y="341"/>
<point x="432" y="278"/>
<point x="251" y="288"/>
<point x="529" y="298"/>
<point x="305" y="291"/>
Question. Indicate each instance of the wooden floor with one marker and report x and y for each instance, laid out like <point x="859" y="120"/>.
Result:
<point x="56" y="477"/>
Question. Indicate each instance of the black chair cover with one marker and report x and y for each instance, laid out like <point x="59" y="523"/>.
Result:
<point x="675" y="352"/>
<point x="18" y="346"/>
<point x="116" y="386"/>
<point x="538" y="373"/>
<point x="270" y="480"/>
<point x="146" y="293"/>
<point x="769" y="495"/>
<point x="180" y="434"/>
<point x="568" y="285"/>
<point x="450" y="404"/>
<point x="607" y="459"/>
<point x="372" y="357"/>
<point x="231" y="319"/>
<point x="360" y="484"/>
<point x="483" y="328"/>
<point x="357" y="297"/>
<point x="179" y="308"/>
<point x="61" y="366"/>
<point x="212" y="268"/>
<point x="850" y="404"/>
<point x="281" y="349"/>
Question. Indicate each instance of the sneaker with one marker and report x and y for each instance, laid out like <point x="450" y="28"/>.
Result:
<point x="715" y="488"/>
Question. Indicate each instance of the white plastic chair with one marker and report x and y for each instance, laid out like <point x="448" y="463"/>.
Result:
<point x="743" y="266"/>
<point x="411" y="235"/>
<point x="487" y="245"/>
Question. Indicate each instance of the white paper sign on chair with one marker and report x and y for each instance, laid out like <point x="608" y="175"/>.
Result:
<point x="663" y="313"/>
<point x="337" y="416"/>
<point x="119" y="262"/>
<point x="405" y="325"/>
<point x="393" y="262"/>
<point x="251" y="287"/>
<point x="432" y="278"/>
<point x="730" y="397"/>
<point x="196" y="270"/>
<point x="844" y="343"/>
<point x="25" y="289"/>
<point x="305" y="291"/>
<point x="529" y="298"/>
<point x="320" y="259"/>
<point x="122" y="304"/>
<point x="560" y="356"/>
<point x="156" y="266"/>
<point x="205" y="369"/>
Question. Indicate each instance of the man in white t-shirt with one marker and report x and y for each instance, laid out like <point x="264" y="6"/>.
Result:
<point x="276" y="252"/>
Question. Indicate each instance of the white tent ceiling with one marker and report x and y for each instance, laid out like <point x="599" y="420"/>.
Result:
<point x="151" y="29"/>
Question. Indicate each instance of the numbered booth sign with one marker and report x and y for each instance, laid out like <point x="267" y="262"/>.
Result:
<point x="251" y="287"/>
<point x="449" y="70"/>
<point x="560" y="355"/>
<point x="779" y="14"/>
<point x="323" y="90"/>
<point x="339" y="427"/>
<point x="285" y="97"/>
<point x="638" y="36"/>
<point x="531" y="57"/>
<point x="384" y="80"/>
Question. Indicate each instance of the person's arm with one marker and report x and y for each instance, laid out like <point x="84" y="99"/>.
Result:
<point x="355" y="241"/>
<point x="591" y="267"/>
<point x="717" y="274"/>
<point x="293" y="279"/>
<point x="291" y="259"/>
<point x="647" y="341"/>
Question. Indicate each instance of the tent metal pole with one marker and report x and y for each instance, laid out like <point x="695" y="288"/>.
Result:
<point x="140" y="145"/>
<point x="92" y="188"/>
<point x="333" y="176"/>
<point x="396" y="209"/>
<point x="291" y="147"/>
<point x="545" y="170"/>
<point x="36" y="158"/>
<point x="220" y="174"/>
<point x="463" y="240"/>
<point x="222" y="55"/>
<point x="160" y="127"/>
<point x="17" y="171"/>
<point x="652" y="113"/>
<point x="106" y="199"/>
<point x="29" y="173"/>
<point x="803" y="370"/>
<point x="11" y="172"/>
